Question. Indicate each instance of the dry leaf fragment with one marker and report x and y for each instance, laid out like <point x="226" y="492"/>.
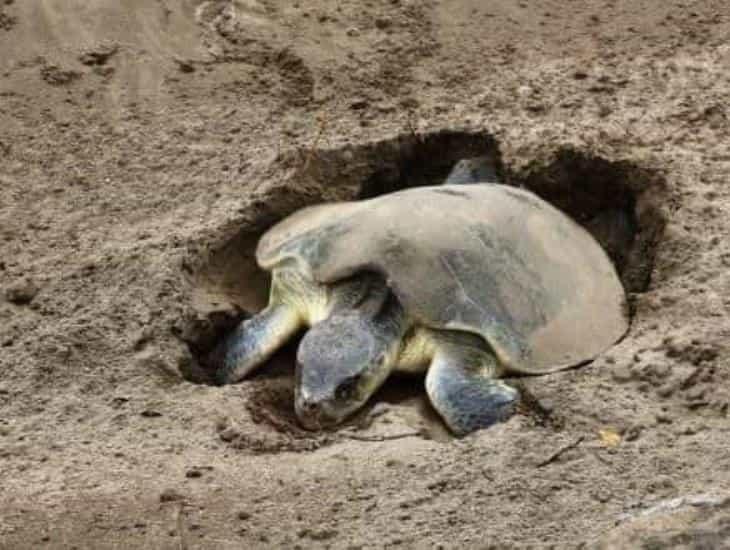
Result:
<point x="609" y="437"/>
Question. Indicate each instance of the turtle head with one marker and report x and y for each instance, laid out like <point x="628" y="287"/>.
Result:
<point x="341" y="362"/>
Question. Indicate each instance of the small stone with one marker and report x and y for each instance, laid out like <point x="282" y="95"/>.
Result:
<point x="171" y="495"/>
<point x="98" y="56"/>
<point x="535" y="106"/>
<point x="410" y="103"/>
<point x="56" y="76"/>
<point x="667" y="389"/>
<point x="193" y="473"/>
<point x="185" y="66"/>
<point x="150" y="413"/>
<point x="696" y="393"/>
<point x="317" y="534"/>
<point x="601" y="495"/>
<point x="526" y="91"/>
<point x="622" y="373"/>
<point x="661" y="370"/>
<point x="103" y="71"/>
<point x="634" y="432"/>
<point x="229" y="434"/>
<point x="141" y="338"/>
<point x="690" y="429"/>
<point x="243" y="515"/>
<point x="21" y="292"/>
<point x="222" y="422"/>
<point x="358" y="104"/>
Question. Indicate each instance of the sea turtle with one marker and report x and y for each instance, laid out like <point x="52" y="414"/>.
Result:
<point x="464" y="282"/>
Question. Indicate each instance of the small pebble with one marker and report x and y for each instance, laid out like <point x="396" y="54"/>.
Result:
<point x="21" y="292"/>
<point x="382" y="23"/>
<point x="229" y="434"/>
<point x="358" y="104"/>
<point x="170" y="495"/>
<point x="622" y="374"/>
<point x="185" y="66"/>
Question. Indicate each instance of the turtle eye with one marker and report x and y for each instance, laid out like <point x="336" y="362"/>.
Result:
<point x="346" y="390"/>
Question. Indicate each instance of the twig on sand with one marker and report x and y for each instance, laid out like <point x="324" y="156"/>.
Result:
<point x="180" y="521"/>
<point x="387" y="437"/>
<point x="557" y="454"/>
<point x="323" y="120"/>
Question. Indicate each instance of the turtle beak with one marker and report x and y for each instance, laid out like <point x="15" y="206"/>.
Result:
<point x="313" y="415"/>
<point x="309" y="415"/>
<point x="313" y="412"/>
<point x="306" y="406"/>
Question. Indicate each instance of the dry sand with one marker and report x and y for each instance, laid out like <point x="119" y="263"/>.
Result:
<point x="144" y="145"/>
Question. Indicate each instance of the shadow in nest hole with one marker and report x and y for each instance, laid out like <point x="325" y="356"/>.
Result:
<point x="618" y="202"/>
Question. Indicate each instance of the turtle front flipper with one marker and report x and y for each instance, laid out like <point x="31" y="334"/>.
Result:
<point x="462" y="387"/>
<point x="252" y="342"/>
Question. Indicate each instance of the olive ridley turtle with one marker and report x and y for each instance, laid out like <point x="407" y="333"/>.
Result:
<point x="466" y="282"/>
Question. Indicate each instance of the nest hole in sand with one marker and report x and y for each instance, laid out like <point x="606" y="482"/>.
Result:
<point x="619" y="202"/>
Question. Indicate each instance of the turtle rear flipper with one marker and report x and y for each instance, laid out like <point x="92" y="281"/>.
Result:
<point x="462" y="387"/>
<point x="473" y="170"/>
